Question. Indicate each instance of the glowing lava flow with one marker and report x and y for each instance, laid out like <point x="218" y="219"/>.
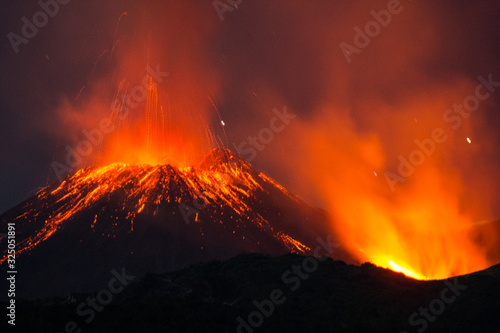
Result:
<point x="120" y="192"/>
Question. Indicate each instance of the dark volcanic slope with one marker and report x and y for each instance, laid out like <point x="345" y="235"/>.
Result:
<point x="153" y="219"/>
<point x="334" y="297"/>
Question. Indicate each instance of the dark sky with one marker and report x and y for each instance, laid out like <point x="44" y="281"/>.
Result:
<point x="263" y="55"/>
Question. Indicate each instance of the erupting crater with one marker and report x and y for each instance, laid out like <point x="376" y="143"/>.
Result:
<point x="156" y="218"/>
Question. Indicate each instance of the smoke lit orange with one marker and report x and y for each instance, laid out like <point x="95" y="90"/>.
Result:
<point x="419" y="230"/>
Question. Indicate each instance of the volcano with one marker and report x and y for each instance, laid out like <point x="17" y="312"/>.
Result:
<point x="145" y="218"/>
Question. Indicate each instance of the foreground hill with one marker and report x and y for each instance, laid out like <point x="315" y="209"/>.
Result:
<point x="320" y="296"/>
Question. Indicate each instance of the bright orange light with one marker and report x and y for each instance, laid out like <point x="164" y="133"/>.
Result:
<point x="420" y="229"/>
<point x="155" y="132"/>
<point x="397" y="268"/>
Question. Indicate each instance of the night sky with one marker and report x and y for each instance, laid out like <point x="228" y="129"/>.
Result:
<point x="265" y="55"/>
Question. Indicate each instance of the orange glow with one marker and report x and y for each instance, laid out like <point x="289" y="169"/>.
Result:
<point x="420" y="229"/>
<point x="397" y="268"/>
<point x="156" y="98"/>
<point x="151" y="134"/>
